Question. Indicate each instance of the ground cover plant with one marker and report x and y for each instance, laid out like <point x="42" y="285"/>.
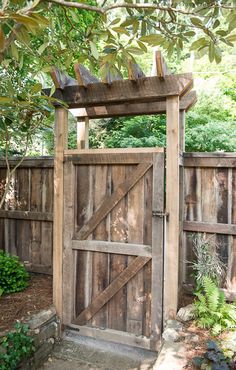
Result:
<point x="213" y="359"/>
<point x="212" y="310"/>
<point x="16" y="346"/>
<point x="13" y="276"/>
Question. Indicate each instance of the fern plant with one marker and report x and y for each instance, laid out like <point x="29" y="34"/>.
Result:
<point x="212" y="310"/>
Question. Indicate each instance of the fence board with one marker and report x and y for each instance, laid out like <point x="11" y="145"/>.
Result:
<point x="27" y="216"/>
<point x="210" y="207"/>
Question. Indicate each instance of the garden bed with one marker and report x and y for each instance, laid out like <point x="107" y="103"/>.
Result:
<point x="21" y="305"/>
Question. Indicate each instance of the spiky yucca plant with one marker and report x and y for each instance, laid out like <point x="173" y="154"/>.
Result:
<point x="212" y="310"/>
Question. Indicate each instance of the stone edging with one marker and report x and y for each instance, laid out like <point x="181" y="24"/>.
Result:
<point x="44" y="327"/>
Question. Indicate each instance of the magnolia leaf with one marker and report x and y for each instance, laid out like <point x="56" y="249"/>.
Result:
<point x="221" y="32"/>
<point x="135" y="26"/>
<point x="94" y="50"/>
<point x="143" y="28"/>
<point x="198" y="43"/>
<point x="14" y="51"/>
<point x="189" y="33"/>
<point x="21" y="61"/>
<point x="216" y="23"/>
<point x="42" y="21"/>
<point x="42" y="48"/>
<point x="115" y="21"/>
<point x="211" y="51"/>
<point x="74" y="16"/>
<point x="196" y="22"/>
<point x="218" y="55"/>
<point x="142" y="46"/>
<point x="128" y="22"/>
<point x="231" y="38"/>
<point x="121" y="30"/>
<point x="2" y="39"/>
<point x="152" y="39"/>
<point x="134" y="50"/>
<point x="36" y="88"/>
<point x="26" y="20"/>
<point x="6" y="100"/>
<point x="23" y="35"/>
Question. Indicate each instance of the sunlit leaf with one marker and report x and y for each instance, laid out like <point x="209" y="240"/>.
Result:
<point x="94" y="50"/>
<point x="152" y="39"/>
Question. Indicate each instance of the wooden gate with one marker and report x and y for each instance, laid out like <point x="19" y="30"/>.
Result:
<point x="113" y="244"/>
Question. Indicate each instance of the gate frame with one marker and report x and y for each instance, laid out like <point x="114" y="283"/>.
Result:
<point x="143" y="96"/>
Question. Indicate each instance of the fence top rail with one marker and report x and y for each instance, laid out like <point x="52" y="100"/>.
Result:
<point x="210" y="155"/>
<point x="210" y="160"/>
<point x="113" y="151"/>
<point x="44" y="161"/>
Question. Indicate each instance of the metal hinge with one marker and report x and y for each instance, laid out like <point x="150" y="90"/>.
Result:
<point x="161" y="214"/>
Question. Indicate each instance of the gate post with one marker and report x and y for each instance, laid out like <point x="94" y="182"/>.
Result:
<point x="61" y="130"/>
<point x="171" y="253"/>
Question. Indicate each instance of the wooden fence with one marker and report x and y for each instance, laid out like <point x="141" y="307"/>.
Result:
<point x="209" y="206"/>
<point x="26" y="220"/>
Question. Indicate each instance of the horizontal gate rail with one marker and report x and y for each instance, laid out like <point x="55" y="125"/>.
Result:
<point x="113" y="247"/>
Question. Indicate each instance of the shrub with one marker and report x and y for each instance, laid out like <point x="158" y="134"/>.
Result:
<point x="13" y="276"/>
<point x="15" y="347"/>
<point x="212" y="310"/>
<point x="208" y="261"/>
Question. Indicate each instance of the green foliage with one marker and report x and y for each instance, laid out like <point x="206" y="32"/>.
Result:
<point x="13" y="276"/>
<point x="15" y="347"/>
<point x="213" y="358"/>
<point x="212" y="310"/>
<point x="129" y="132"/>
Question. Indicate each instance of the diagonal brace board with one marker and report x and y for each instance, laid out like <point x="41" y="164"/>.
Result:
<point x="111" y="290"/>
<point x="111" y="201"/>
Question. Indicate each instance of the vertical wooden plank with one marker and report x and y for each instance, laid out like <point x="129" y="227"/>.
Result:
<point x="233" y="248"/>
<point x="36" y="205"/>
<point x="23" y="228"/>
<point x="135" y="292"/>
<point x="61" y="127"/>
<point x="83" y="133"/>
<point x="47" y="206"/>
<point x="192" y="212"/>
<point x="68" y="267"/>
<point x="4" y="235"/>
<point x="157" y="251"/>
<point x="83" y="210"/>
<point x="182" y="246"/>
<point x="172" y="208"/>
<point x="100" y="276"/>
<point x="118" y="233"/>
<point x="222" y="210"/>
<point x="147" y="239"/>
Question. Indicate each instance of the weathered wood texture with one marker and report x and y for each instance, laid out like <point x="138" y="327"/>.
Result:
<point x="26" y="221"/>
<point x="147" y="89"/>
<point x="210" y="207"/>
<point x="113" y="242"/>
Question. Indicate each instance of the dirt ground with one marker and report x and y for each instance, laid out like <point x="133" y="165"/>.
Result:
<point x="18" y="306"/>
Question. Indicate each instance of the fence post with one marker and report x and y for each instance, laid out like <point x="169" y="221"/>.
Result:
<point x="83" y="133"/>
<point x="171" y="256"/>
<point x="61" y="131"/>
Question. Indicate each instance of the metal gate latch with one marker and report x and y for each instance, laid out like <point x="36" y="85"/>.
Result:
<point x="161" y="214"/>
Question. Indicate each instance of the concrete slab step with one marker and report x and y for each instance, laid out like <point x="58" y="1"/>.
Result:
<point x="78" y="352"/>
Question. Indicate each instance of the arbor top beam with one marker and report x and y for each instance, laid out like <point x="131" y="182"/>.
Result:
<point x="142" y="90"/>
<point x="134" y="109"/>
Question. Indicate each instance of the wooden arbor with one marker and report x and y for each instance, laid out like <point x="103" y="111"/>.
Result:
<point x="139" y="95"/>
